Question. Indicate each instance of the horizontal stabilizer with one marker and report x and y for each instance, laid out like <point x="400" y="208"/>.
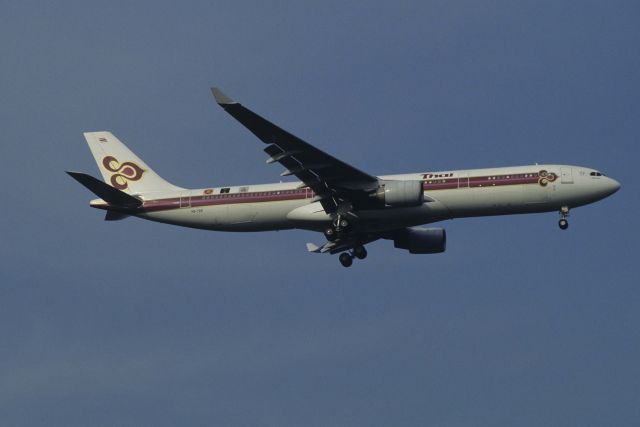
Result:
<point x="312" y="248"/>
<point x="111" y="195"/>
<point x="326" y="247"/>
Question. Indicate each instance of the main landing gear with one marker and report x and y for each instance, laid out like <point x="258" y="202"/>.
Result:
<point x="339" y="226"/>
<point x="346" y="258"/>
<point x="359" y="252"/>
<point x="342" y="227"/>
<point x="564" y="213"/>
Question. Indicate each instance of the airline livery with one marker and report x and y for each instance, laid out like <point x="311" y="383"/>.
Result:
<point x="351" y="207"/>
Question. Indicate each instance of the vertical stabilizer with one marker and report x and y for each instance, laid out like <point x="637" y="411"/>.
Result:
<point x="121" y="168"/>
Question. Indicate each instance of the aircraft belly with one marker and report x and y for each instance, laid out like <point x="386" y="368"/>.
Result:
<point x="533" y="194"/>
<point x="233" y="217"/>
<point x="393" y="218"/>
<point x="265" y="216"/>
<point x="202" y="217"/>
<point x="310" y="216"/>
<point x="479" y="201"/>
<point x="498" y="200"/>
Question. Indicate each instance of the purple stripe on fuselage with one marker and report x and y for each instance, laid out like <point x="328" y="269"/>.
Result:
<point x="161" y="204"/>
<point x="300" y="194"/>
<point x="440" y="184"/>
<point x="223" y="199"/>
<point x="489" y="181"/>
<point x="480" y="181"/>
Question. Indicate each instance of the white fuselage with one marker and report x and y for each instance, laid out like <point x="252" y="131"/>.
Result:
<point x="448" y="194"/>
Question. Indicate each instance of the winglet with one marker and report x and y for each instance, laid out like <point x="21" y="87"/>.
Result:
<point x="221" y="98"/>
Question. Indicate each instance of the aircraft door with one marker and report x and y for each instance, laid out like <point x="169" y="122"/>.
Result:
<point x="185" y="200"/>
<point x="566" y="175"/>
<point x="463" y="180"/>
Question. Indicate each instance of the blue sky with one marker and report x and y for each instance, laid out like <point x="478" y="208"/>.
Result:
<point x="136" y="323"/>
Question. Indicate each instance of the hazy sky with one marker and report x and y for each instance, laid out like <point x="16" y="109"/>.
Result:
<point x="133" y="323"/>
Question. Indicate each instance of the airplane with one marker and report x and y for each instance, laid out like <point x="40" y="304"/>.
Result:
<point x="350" y="207"/>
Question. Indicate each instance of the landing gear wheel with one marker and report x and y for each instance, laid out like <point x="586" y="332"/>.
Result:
<point x="330" y="234"/>
<point x="564" y="213"/>
<point x="345" y="259"/>
<point x="360" y="252"/>
<point x="343" y="223"/>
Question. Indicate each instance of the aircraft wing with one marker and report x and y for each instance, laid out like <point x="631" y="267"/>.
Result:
<point x="332" y="180"/>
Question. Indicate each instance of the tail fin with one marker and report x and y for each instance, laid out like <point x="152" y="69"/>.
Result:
<point x="121" y="168"/>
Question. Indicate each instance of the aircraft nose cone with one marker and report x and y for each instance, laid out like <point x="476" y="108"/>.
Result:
<point x="612" y="186"/>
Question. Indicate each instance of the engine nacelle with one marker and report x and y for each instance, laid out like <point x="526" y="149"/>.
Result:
<point x="421" y="240"/>
<point x="400" y="193"/>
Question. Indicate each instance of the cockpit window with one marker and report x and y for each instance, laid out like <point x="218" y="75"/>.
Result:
<point x="594" y="173"/>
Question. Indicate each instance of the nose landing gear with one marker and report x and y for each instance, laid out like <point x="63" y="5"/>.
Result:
<point x="564" y="213"/>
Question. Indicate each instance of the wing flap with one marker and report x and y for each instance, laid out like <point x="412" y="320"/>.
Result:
<point x="342" y="245"/>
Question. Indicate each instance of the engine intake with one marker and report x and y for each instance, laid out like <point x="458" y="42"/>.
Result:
<point x="400" y="193"/>
<point x="421" y="240"/>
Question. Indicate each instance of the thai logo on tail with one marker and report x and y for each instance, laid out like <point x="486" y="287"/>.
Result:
<point x="122" y="172"/>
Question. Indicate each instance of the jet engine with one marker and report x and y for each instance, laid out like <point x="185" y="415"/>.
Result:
<point x="421" y="240"/>
<point x="400" y="193"/>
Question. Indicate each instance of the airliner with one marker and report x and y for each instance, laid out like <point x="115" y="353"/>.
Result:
<point x="352" y="208"/>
